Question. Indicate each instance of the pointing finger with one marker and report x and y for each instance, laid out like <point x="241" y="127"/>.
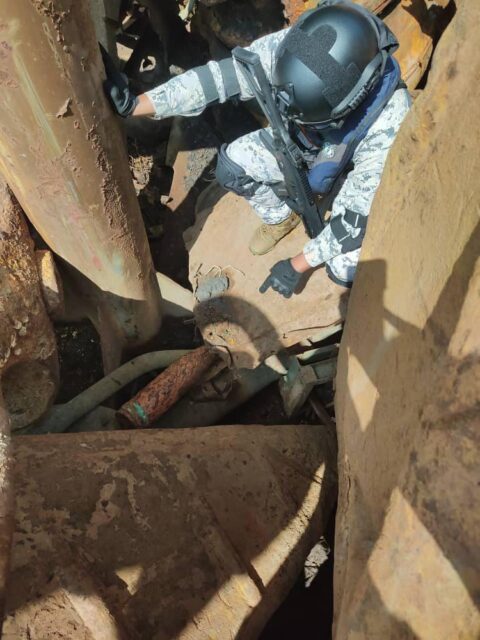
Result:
<point x="264" y="287"/>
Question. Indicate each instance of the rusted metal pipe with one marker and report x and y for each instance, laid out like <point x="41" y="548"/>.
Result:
<point x="247" y="383"/>
<point x="28" y="351"/>
<point x="63" y="154"/>
<point x="6" y="505"/>
<point x="62" y="416"/>
<point x="167" y="388"/>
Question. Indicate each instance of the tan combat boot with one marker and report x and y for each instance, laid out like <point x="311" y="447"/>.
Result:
<point x="268" y="235"/>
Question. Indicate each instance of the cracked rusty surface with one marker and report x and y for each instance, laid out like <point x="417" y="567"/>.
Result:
<point x="28" y="351"/>
<point x="189" y="534"/>
<point x="167" y="388"/>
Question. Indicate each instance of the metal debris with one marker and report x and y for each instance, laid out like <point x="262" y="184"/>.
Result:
<point x="167" y="388"/>
<point x="296" y="386"/>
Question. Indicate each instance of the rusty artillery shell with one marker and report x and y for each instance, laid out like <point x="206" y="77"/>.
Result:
<point x="166" y="389"/>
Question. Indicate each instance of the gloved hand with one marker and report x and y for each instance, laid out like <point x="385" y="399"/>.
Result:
<point x="116" y="88"/>
<point x="283" y="278"/>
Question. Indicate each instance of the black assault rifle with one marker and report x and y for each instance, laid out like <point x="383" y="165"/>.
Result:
<point x="297" y="192"/>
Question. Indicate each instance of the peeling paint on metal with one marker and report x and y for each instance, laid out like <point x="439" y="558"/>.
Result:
<point x="139" y="410"/>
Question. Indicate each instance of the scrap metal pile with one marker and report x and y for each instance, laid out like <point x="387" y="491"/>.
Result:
<point x="174" y="532"/>
<point x="81" y="264"/>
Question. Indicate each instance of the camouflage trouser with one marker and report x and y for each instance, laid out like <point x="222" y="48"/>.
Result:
<point x="251" y="154"/>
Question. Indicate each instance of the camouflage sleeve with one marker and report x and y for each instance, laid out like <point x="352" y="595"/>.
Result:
<point x="184" y="96"/>
<point x="180" y="96"/>
<point x="266" y="48"/>
<point x="362" y="182"/>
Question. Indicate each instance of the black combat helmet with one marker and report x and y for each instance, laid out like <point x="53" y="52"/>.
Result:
<point x="329" y="61"/>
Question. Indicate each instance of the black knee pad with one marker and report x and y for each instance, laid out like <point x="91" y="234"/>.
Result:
<point x="232" y="176"/>
<point x="333" y="277"/>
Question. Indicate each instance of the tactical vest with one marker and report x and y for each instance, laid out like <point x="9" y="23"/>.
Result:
<point x="334" y="148"/>
<point x="329" y="152"/>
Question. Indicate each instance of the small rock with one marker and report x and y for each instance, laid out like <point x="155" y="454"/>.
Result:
<point x="211" y="287"/>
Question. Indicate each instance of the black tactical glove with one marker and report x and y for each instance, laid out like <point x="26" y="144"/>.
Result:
<point x="283" y="278"/>
<point x="116" y="88"/>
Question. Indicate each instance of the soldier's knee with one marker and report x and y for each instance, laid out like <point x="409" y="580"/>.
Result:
<point x="334" y="277"/>
<point x="342" y="268"/>
<point x="232" y="176"/>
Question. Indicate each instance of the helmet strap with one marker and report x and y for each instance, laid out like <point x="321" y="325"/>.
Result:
<point x="372" y="72"/>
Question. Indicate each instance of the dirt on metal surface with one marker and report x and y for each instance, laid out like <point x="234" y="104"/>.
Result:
<point x="185" y="534"/>
<point x="408" y="414"/>
<point x="80" y="196"/>
<point x="249" y="324"/>
<point x="28" y="351"/>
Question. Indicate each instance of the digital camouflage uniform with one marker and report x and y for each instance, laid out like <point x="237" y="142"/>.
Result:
<point x="183" y="95"/>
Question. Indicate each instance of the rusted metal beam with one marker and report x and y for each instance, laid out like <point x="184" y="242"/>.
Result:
<point x="63" y="154"/>
<point x="28" y="351"/>
<point x="167" y="388"/>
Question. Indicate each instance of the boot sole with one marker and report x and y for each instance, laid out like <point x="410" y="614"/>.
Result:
<point x="261" y="253"/>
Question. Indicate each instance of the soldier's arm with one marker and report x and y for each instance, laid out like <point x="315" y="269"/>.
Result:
<point x="216" y="82"/>
<point x="353" y="203"/>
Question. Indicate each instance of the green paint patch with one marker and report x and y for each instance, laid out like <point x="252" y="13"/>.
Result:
<point x="140" y="412"/>
<point x="117" y="263"/>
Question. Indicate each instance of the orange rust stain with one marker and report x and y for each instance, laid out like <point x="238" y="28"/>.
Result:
<point x="293" y="9"/>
